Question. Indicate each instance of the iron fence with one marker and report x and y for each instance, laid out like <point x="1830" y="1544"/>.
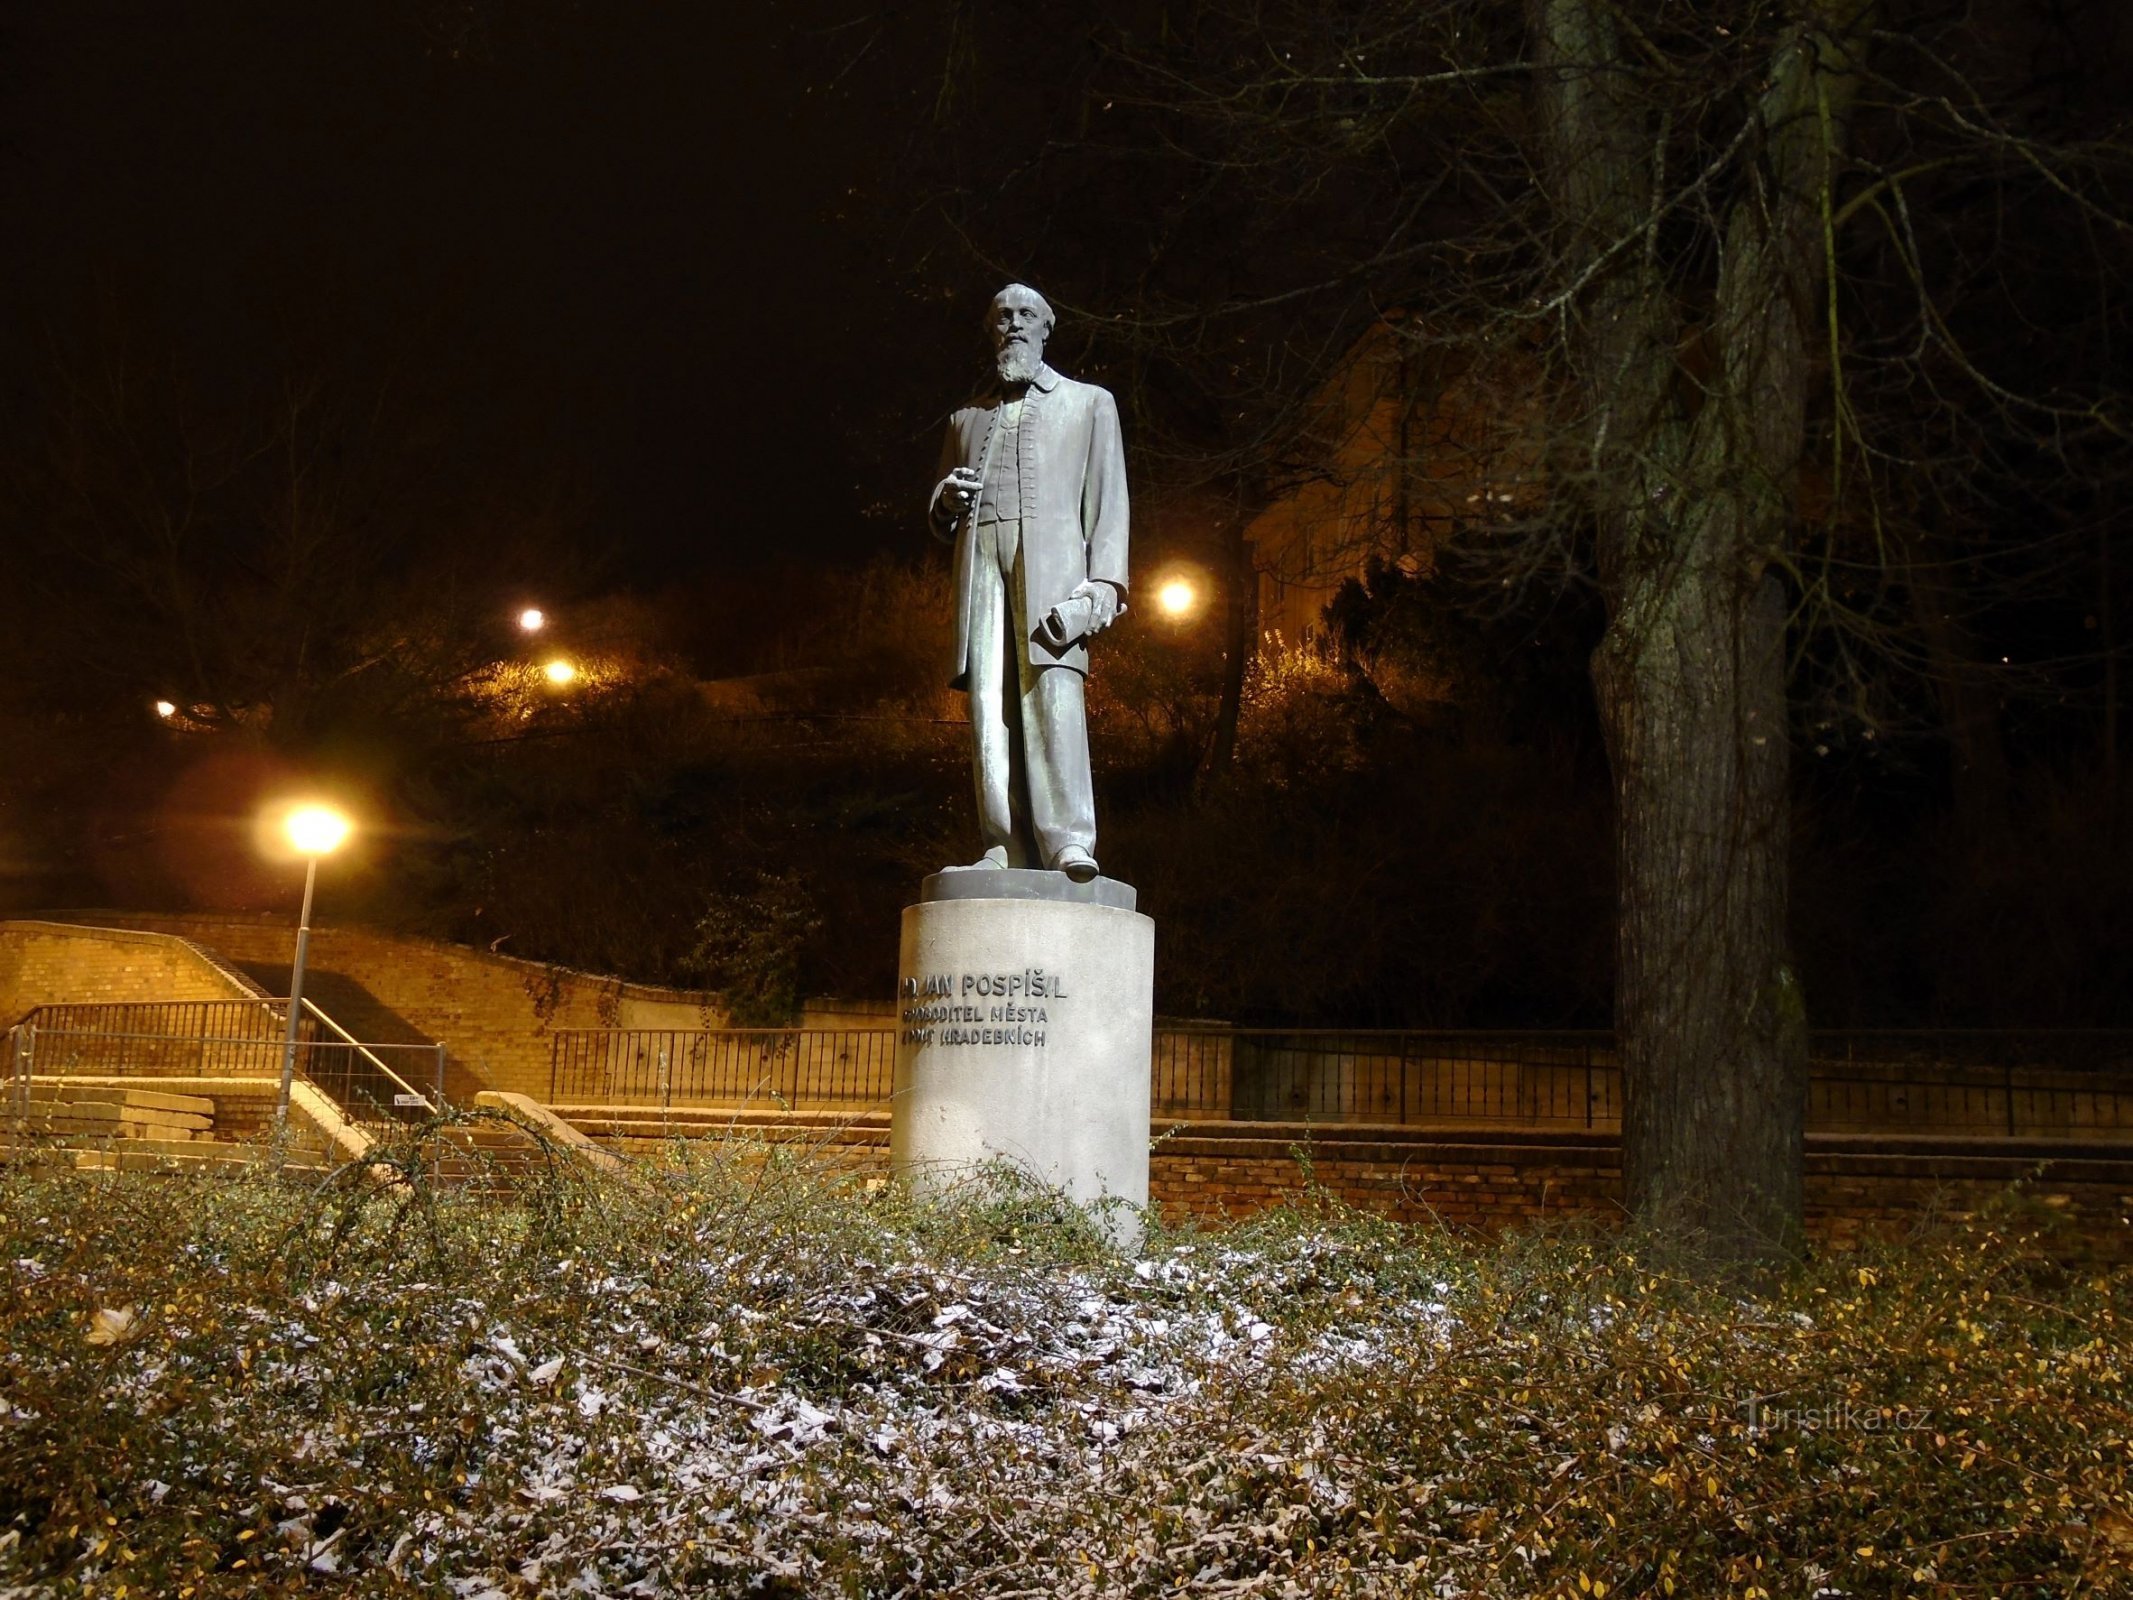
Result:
<point x="794" y="1067"/>
<point x="1985" y="1083"/>
<point x="1399" y="1077"/>
<point x="2012" y="1082"/>
<point x="373" y="1085"/>
<point x="161" y="1039"/>
<point x="17" y="1062"/>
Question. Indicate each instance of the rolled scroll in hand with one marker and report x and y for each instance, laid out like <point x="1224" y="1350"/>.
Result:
<point x="1068" y="621"/>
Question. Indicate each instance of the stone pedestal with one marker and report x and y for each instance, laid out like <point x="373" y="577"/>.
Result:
<point x="1026" y="1005"/>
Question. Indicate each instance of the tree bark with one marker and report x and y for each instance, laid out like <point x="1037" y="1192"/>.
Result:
<point x="1709" y="1016"/>
<point x="1240" y="626"/>
<point x="1691" y="481"/>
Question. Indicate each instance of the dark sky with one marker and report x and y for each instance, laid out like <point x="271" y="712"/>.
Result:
<point x="650" y="232"/>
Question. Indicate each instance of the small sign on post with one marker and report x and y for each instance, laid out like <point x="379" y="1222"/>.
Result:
<point x="411" y="1102"/>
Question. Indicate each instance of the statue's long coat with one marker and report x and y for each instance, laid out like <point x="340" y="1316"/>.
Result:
<point x="1073" y="511"/>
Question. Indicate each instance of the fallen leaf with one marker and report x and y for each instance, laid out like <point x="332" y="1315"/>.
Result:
<point x="111" y="1324"/>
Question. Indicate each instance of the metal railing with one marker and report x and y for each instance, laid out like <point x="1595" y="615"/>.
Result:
<point x="1985" y="1083"/>
<point x="163" y="1039"/>
<point x="358" y="1078"/>
<point x="17" y="1064"/>
<point x="1228" y="1073"/>
<point x="1393" y="1077"/>
<point x="2072" y="1082"/>
<point x="374" y="1085"/>
<point x="740" y="1067"/>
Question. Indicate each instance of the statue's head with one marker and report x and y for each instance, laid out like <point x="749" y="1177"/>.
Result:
<point x="1019" y="322"/>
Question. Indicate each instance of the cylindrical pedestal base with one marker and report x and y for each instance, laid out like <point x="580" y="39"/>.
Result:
<point x="1024" y="1034"/>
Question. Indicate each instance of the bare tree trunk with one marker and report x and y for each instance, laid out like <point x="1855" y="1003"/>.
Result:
<point x="2108" y="639"/>
<point x="1694" y="499"/>
<point x="1240" y="588"/>
<point x="1710" y="1019"/>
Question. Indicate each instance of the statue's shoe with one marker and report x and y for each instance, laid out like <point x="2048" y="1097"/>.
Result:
<point x="1077" y="864"/>
<point x="993" y="860"/>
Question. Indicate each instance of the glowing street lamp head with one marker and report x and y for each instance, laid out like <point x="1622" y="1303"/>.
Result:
<point x="533" y="619"/>
<point x="166" y="710"/>
<point x="316" y="830"/>
<point x="1177" y="599"/>
<point x="560" y="672"/>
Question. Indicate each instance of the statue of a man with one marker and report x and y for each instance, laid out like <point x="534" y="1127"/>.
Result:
<point x="1032" y="490"/>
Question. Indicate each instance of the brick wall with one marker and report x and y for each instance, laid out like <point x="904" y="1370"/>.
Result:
<point x="1857" y="1189"/>
<point x="1234" y="1169"/>
<point x="493" y="1013"/>
<point x="46" y="963"/>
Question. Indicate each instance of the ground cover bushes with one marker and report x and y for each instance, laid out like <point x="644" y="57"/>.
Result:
<point x="735" y="1372"/>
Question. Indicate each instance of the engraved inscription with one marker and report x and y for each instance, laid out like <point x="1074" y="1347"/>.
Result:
<point x="979" y="1008"/>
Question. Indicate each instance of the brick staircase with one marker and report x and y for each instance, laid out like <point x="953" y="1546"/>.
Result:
<point x="146" y="1052"/>
<point x="643" y="1130"/>
<point x="617" y="1121"/>
<point x="490" y="1156"/>
<point x="103" y="1127"/>
<point x="107" y="1128"/>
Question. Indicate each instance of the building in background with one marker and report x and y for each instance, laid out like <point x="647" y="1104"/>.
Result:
<point x="1405" y="445"/>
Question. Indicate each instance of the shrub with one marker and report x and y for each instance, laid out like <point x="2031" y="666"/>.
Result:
<point x="740" y="1370"/>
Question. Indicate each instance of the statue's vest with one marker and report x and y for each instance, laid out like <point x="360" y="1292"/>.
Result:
<point x="1006" y="496"/>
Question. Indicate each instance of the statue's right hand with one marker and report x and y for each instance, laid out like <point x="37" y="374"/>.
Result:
<point x="959" y="491"/>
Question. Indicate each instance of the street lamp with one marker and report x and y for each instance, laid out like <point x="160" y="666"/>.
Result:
<point x="1177" y="598"/>
<point x="311" y="831"/>
<point x="560" y="673"/>
<point x="166" y="709"/>
<point x="532" y="620"/>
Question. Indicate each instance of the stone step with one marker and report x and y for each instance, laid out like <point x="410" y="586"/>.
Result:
<point x="112" y="1094"/>
<point x="481" y="1138"/>
<point x="117" y="1122"/>
<point x="120" y="1119"/>
<point x="129" y="1099"/>
<point x="79" y="1110"/>
<point x="109" y="1132"/>
<point x="689" y="1121"/>
<point x="654" y="1131"/>
<point x="12" y="1146"/>
<point x="161" y="1146"/>
<point x="462" y="1167"/>
<point x="201" y="1158"/>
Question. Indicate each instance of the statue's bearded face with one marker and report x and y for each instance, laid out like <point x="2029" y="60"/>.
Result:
<point x="1019" y="326"/>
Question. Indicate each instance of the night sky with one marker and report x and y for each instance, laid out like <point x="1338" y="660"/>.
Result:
<point x="649" y="234"/>
<point x="701" y="284"/>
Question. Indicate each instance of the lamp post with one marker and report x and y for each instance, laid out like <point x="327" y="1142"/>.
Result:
<point x="313" y="831"/>
<point x="1177" y="599"/>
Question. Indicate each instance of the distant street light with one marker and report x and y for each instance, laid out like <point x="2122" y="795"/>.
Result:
<point x="1177" y="598"/>
<point x="312" y="831"/>
<point x="316" y="830"/>
<point x="532" y="619"/>
<point x="560" y="672"/>
<point x="165" y="709"/>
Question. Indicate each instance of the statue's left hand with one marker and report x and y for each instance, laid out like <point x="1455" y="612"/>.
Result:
<point x="1103" y="603"/>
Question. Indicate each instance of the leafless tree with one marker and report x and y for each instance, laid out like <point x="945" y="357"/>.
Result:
<point x="1779" y="321"/>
